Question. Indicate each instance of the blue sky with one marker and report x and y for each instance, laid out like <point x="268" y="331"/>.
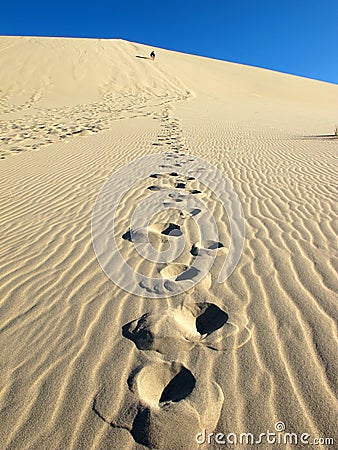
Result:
<point x="293" y="36"/>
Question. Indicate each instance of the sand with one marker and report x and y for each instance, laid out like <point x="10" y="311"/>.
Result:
<point x="88" y="364"/>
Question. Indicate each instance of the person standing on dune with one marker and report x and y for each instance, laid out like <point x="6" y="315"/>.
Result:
<point x="152" y="55"/>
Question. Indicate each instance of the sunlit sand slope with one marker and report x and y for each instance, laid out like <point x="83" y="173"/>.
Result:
<point x="87" y="365"/>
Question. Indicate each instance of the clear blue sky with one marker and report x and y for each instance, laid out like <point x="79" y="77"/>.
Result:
<point x="293" y="36"/>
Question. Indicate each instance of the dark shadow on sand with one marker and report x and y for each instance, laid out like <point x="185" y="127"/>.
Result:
<point x="321" y="137"/>
<point x="142" y="57"/>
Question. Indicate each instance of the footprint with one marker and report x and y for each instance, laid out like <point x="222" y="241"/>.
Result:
<point x="189" y="274"/>
<point x="154" y="188"/>
<point x="151" y="232"/>
<point x="191" y="213"/>
<point x="213" y="245"/>
<point x="165" y="406"/>
<point x="181" y="329"/>
<point x="171" y="204"/>
<point x="194" y="212"/>
<point x="197" y="249"/>
<point x="176" y="195"/>
<point x="172" y="230"/>
<point x="164" y="383"/>
<point x="173" y="270"/>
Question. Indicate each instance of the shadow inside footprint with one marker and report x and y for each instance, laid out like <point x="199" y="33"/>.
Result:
<point x="210" y="245"/>
<point x="140" y="335"/>
<point x="215" y="245"/>
<point x="127" y="236"/>
<point x="195" y="211"/>
<point x="180" y="185"/>
<point x="188" y="274"/>
<point x="172" y="230"/>
<point x="179" y="387"/>
<point x="211" y="319"/>
<point x="140" y="426"/>
<point x="194" y="250"/>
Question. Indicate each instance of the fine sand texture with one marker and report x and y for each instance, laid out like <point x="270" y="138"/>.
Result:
<point x="89" y="364"/>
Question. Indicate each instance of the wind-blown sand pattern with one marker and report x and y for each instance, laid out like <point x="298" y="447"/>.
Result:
<point x="85" y="364"/>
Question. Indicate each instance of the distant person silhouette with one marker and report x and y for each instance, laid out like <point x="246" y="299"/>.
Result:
<point x="152" y="55"/>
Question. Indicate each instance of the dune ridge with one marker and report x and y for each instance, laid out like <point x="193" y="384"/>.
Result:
<point x="85" y="364"/>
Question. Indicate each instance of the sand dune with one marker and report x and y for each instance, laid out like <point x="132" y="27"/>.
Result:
<point x="86" y="364"/>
